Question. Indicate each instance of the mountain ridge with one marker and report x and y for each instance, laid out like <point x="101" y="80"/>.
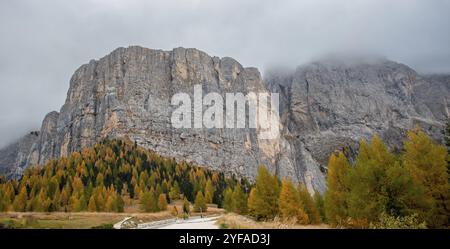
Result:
<point x="323" y="107"/>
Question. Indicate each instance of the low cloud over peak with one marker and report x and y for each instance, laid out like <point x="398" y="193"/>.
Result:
<point x="43" y="42"/>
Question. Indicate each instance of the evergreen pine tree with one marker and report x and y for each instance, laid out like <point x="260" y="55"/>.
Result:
<point x="82" y="204"/>
<point x="154" y="201"/>
<point x="209" y="191"/>
<point x="3" y="205"/>
<point x="64" y="198"/>
<point x="228" y="199"/>
<point x="200" y="203"/>
<point x="174" y="193"/>
<point x="120" y="204"/>
<point x="149" y="201"/>
<point x="137" y="192"/>
<point x="146" y="204"/>
<point x="239" y="203"/>
<point x="186" y="206"/>
<point x="56" y="200"/>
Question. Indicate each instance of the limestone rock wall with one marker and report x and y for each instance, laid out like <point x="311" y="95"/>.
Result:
<point x="324" y="106"/>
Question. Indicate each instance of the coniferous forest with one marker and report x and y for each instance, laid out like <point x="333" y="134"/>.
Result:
<point x="103" y="178"/>
<point x="377" y="188"/>
<point x="382" y="188"/>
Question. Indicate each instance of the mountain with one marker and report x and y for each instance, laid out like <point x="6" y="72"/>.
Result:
<point x="331" y="104"/>
<point x="324" y="106"/>
<point x="128" y="93"/>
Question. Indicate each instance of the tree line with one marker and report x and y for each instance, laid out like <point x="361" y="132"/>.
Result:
<point x="270" y="198"/>
<point x="381" y="189"/>
<point x="109" y="176"/>
<point x="413" y="184"/>
<point x="377" y="188"/>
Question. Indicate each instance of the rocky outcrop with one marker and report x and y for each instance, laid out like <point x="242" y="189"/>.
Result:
<point x="431" y="97"/>
<point x="45" y="146"/>
<point x="324" y="106"/>
<point x="14" y="157"/>
<point x="331" y="105"/>
<point x="8" y="157"/>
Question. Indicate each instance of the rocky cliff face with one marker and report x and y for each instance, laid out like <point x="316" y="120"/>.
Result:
<point x="331" y="105"/>
<point x="128" y="93"/>
<point x="14" y="158"/>
<point x="324" y="106"/>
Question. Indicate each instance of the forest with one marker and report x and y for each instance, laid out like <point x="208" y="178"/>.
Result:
<point x="110" y="175"/>
<point x="376" y="188"/>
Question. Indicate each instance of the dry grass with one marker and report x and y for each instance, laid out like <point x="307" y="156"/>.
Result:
<point x="79" y="220"/>
<point x="84" y="220"/>
<point x="235" y="221"/>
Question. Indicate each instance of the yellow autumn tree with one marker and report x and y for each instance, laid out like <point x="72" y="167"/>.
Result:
<point x="228" y="199"/>
<point x="251" y="202"/>
<point x="308" y="205"/>
<point x="265" y="203"/>
<point x="380" y="184"/>
<point x="239" y="202"/>
<point x="368" y="181"/>
<point x="162" y="202"/>
<point x="92" y="207"/>
<point x="209" y="191"/>
<point x="289" y="203"/>
<point x="335" y="196"/>
<point x="20" y="201"/>
<point x="200" y="203"/>
<point x="427" y="162"/>
<point x="174" y="193"/>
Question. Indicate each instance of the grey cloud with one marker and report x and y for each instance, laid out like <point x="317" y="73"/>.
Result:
<point x="43" y="42"/>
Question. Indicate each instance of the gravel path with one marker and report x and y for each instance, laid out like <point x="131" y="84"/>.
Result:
<point x="205" y="223"/>
<point x="199" y="223"/>
<point x="193" y="223"/>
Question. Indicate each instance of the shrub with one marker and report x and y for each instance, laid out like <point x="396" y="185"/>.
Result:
<point x="390" y="222"/>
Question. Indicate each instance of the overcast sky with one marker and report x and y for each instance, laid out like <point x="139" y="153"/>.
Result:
<point x="43" y="42"/>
